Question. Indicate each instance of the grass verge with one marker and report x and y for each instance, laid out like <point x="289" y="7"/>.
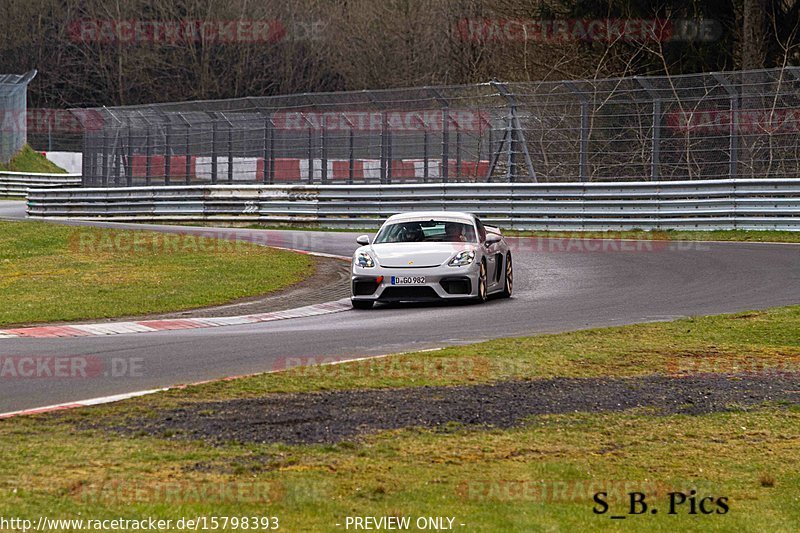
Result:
<point x="539" y="476"/>
<point x="659" y="235"/>
<point x="29" y="160"/>
<point x="53" y="273"/>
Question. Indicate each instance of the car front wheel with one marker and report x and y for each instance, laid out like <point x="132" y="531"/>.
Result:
<point x="482" y="294"/>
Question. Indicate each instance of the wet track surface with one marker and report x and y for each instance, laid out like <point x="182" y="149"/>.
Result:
<point x="559" y="286"/>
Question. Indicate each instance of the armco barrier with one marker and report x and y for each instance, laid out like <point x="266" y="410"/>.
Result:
<point x="716" y="204"/>
<point x="18" y="183"/>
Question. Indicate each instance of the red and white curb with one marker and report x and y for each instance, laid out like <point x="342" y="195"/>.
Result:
<point x="129" y="395"/>
<point x="150" y="326"/>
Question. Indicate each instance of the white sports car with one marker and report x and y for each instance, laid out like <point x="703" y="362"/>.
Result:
<point x="425" y="256"/>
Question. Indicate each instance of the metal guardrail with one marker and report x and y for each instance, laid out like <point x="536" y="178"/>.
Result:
<point x="14" y="184"/>
<point x="713" y="204"/>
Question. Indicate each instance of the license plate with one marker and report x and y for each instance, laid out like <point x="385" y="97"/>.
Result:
<point x="408" y="280"/>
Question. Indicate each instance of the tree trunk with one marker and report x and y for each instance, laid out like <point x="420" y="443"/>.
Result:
<point x="754" y="39"/>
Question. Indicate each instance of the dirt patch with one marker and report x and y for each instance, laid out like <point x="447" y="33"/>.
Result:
<point x="329" y="417"/>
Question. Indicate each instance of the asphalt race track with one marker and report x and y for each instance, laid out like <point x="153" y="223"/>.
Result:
<point x="559" y="286"/>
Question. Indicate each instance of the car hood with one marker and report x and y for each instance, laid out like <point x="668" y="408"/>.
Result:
<point x="416" y="254"/>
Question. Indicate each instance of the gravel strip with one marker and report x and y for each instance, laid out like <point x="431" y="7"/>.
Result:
<point x="330" y="417"/>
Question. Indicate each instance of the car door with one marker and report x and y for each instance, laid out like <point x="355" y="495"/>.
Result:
<point x="490" y="253"/>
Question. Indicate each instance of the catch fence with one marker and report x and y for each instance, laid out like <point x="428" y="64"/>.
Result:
<point x="728" y="125"/>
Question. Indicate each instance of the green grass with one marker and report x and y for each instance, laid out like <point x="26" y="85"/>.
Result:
<point x="29" y="160"/>
<point x="540" y="476"/>
<point x="54" y="273"/>
<point x="537" y="477"/>
<point x="661" y="235"/>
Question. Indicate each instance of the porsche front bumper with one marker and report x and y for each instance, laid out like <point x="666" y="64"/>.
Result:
<point x="441" y="283"/>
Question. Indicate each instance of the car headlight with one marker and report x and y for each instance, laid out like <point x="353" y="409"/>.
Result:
<point x="364" y="260"/>
<point x="463" y="258"/>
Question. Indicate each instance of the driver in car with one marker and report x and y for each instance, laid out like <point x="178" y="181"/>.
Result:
<point x="414" y="233"/>
<point x="453" y="232"/>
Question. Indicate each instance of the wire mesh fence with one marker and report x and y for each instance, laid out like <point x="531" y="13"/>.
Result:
<point x="705" y="126"/>
<point x="13" y="113"/>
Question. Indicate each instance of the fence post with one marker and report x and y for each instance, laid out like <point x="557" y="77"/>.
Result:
<point x="655" y="146"/>
<point x="266" y="151"/>
<point x="148" y="175"/>
<point x="351" y="156"/>
<point x="167" y="152"/>
<point x="117" y="159"/>
<point x="458" y="151"/>
<point x="214" y="149"/>
<point x="425" y="164"/>
<point x="230" y="151"/>
<point x="389" y="155"/>
<point x="323" y="154"/>
<point x="188" y="160"/>
<point x="129" y="165"/>
<point x="106" y="166"/>
<point x="490" y="152"/>
<point x="733" y="130"/>
<point x="445" y="143"/>
<point x="271" y="151"/>
<point x="84" y="158"/>
<point x="384" y="127"/>
<point x="583" y="168"/>
<point x="514" y="136"/>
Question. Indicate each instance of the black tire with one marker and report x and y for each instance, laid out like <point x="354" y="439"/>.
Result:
<point x="361" y="304"/>
<point x="508" y="285"/>
<point x="483" y="293"/>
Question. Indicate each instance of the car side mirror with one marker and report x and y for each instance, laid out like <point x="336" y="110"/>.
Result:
<point x="493" y="238"/>
<point x="363" y="240"/>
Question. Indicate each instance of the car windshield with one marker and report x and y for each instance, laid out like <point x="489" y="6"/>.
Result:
<point x="426" y="231"/>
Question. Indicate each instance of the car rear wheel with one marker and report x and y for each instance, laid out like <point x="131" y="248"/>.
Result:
<point x="508" y="286"/>
<point x="361" y="304"/>
<point x="482" y="293"/>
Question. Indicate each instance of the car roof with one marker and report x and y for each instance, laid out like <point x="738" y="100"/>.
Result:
<point x="448" y="216"/>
